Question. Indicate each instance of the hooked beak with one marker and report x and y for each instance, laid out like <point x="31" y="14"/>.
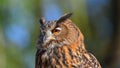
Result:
<point x="48" y="36"/>
<point x="51" y="38"/>
<point x="43" y="42"/>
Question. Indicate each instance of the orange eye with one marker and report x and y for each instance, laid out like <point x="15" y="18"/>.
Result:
<point x="56" y="31"/>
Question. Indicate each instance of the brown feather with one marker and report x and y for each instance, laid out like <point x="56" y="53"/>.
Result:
<point x="67" y="51"/>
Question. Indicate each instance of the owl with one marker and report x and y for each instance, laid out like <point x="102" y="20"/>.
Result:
<point x="61" y="45"/>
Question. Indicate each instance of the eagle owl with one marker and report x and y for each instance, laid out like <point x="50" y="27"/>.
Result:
<point x="61" y="45"/>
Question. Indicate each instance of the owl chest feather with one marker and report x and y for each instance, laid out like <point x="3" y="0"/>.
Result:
<point x="64" y="57"/>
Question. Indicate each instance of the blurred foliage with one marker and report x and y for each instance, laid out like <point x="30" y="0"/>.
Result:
<point x="19" y="27"/>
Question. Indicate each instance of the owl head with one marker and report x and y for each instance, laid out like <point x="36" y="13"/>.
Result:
<point x="57" y="33"/>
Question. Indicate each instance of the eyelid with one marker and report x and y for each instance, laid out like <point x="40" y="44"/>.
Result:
<point x="58" y="28"/>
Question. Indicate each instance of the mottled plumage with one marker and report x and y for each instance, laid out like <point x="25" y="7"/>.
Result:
<point x="61" y="45"/>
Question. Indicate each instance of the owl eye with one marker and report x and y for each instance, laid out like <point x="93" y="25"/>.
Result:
<point x="56" y="31"/>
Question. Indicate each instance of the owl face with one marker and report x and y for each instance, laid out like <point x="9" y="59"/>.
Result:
<point x="52" y="33"/>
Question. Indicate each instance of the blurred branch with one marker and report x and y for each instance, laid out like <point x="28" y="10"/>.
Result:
<point x="112" y="52"/>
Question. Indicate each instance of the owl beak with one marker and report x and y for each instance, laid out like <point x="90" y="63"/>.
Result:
<point x="51" y="38"/>
<point x="48" y="37"/>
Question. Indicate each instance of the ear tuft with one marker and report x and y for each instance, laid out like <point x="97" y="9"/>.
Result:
<point x="64" y="17"/>
<point x="42" y="21"/>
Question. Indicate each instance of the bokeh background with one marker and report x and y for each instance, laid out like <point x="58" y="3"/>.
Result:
<point x="99" y="21"/>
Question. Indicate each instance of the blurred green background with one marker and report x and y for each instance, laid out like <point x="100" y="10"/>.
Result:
<point x="99" y="21"/>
